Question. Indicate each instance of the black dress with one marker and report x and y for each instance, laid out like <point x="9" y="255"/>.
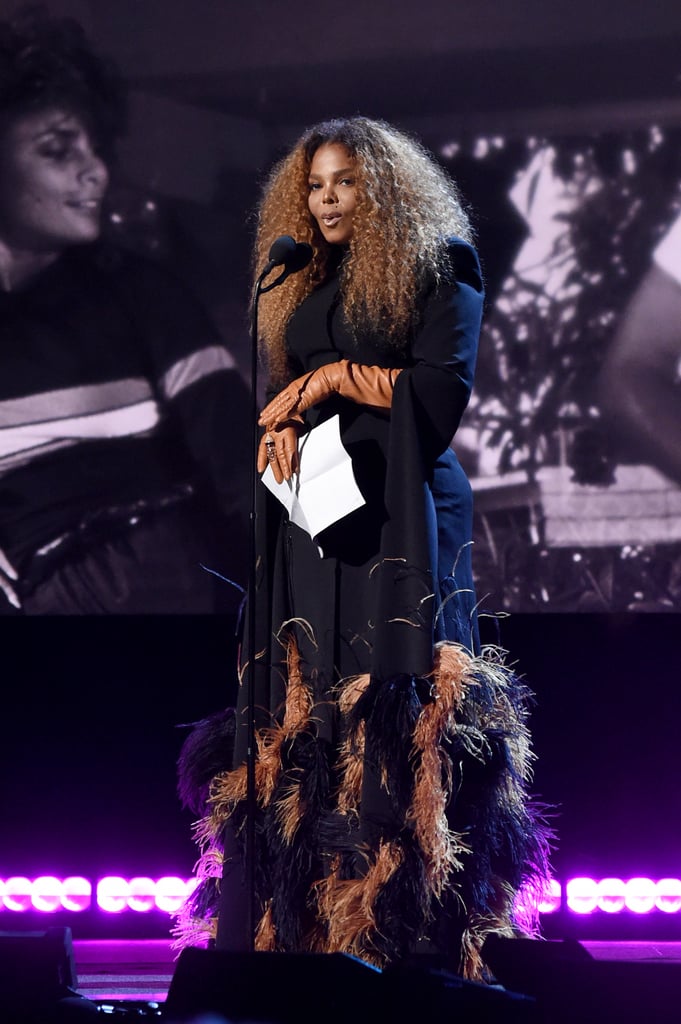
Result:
<point x="393" y="756"/>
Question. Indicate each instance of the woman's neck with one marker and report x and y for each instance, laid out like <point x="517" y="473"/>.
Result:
<point x="18" y="266"/>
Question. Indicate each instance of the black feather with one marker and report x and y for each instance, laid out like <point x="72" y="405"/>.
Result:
<point x="207" y="751"/>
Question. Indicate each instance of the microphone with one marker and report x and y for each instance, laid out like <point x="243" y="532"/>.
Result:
<point x="281" y="251"/>
<point x="286" y="252"/>
<point x="299" y="259"/>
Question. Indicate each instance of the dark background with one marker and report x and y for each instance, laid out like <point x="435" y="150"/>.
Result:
<point x="92" y="708"/>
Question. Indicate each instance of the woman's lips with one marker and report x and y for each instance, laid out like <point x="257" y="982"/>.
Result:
<point x="86" y="205"/>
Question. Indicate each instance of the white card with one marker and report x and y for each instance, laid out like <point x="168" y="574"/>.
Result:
<point x="324" y="489"/>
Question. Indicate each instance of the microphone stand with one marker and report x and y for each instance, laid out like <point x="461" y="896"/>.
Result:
<point x="251" y="796"/>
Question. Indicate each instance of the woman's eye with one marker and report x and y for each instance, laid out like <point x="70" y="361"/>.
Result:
<point x="313" y="186"/>
<point x="55" y="151"/>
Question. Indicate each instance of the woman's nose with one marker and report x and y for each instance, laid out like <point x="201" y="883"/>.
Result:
<point x="329" y="194"/>
<point x="94" y="169"/>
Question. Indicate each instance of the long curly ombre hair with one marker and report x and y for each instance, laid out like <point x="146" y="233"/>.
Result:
<point x="406" y="205"/>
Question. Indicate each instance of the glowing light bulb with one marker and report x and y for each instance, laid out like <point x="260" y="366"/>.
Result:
<point x="76" y="893"/>
<point x="582" y="895"/>
<point x="142" y="896"/>
<point x="551" y="898"/>
<point x="46" y="894"/>
<point x="640" y="895"/>
<point x="112" y="894"/>
<point x="611" y="895"/>
<point x="668" y="895"/>
<point x="171" y="893"/>
<point x="17" y="894"/>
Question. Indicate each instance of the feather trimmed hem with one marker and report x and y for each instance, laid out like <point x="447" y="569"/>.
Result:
<point x="417" y="828"/>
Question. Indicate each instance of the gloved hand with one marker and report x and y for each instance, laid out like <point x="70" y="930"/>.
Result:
<point x="366" y="385"/>
<point x="278" y="448"/>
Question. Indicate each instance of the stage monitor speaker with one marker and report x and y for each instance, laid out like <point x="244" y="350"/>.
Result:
<point x="306" y="988"/>
<point x="37" y="971"/>
<point x="281" y="988"/>
<point x="572" y="987"/>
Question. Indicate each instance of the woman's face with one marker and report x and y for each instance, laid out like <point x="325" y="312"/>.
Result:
<point x="52" y="183"/>
<point x="332" y="197"/>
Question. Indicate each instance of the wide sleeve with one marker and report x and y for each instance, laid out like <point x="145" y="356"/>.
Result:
<point x="429" y="399"/>
<point x="444" y="351"/>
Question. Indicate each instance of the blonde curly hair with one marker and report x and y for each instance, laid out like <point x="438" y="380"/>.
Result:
<point x="406" y="205"/>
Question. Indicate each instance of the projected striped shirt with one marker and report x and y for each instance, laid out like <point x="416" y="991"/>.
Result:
<point x="115" y="387"/>
<point x="36" y="425"/>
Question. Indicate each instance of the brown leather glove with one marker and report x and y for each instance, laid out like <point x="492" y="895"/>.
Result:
<point x="366" y="385"/>
<point x="278" y="448"/>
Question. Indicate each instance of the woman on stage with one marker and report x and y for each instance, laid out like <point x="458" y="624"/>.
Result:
<point x="393" y="755"/>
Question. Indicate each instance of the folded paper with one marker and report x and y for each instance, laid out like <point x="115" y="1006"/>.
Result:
<point x="324" y="489"/>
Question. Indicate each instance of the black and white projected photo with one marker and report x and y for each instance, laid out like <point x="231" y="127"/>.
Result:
<point x="571" y="436"/>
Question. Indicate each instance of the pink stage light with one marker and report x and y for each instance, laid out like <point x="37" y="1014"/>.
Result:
<point x="76" y="894"/>
<point x="611" y="895"/>
<point x="171" y="893"/>
<point x="551" y="898"/>
<point x="640" y="895"/>
<point x="16" y="894"/>
<point x="142" y="894"/>
<point x="115" y="894"/>
<point x="668" y="895"/>
<point x="582" y="895"/>
<point x="112" y="894"/>
<point x="46" y="894"/>
<point x="530" y="902"/>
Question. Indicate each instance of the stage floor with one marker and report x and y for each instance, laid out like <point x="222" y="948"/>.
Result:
<point x="124" y="969"/>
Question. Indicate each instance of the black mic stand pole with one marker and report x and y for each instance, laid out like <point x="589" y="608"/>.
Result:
<point x="251" y="796"/>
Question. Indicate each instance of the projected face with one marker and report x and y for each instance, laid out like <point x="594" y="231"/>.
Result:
<point x="52" y="183"/>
